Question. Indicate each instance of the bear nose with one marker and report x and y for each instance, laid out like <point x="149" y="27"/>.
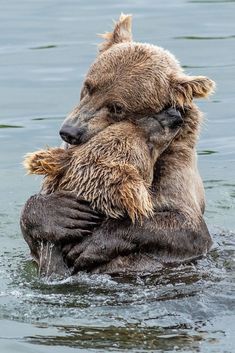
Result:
<point x="176" y="121"/>
<point x="175" y="118"/>
<point x="71" y="134"/>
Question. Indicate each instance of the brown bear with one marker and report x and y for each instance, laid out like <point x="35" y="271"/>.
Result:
<point x="113" y="170"/>
<point x="136" y="79"/>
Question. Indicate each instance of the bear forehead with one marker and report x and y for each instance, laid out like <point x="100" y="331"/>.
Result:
<point x="133" y="60"/>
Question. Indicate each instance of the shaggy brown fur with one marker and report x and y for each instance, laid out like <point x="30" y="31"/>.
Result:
<point x="113" y="170"/>
<point x="143" y="79"/>
<point x="140" y="78"/>
<point x="129" y="80"/>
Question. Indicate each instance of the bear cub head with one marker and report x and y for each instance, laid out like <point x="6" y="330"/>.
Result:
<point x="114" y="169"/>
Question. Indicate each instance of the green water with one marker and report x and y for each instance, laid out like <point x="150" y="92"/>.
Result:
<point x="45" y="49"/>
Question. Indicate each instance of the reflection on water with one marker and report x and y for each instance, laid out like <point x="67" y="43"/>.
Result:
<point x="44" y="54"/>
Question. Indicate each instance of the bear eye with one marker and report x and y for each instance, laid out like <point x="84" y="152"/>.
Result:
<point x="115" y="109"/>
<point x="88" y="88"/>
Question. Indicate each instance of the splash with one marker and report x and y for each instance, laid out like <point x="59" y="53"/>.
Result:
<point x="51" y="263"/>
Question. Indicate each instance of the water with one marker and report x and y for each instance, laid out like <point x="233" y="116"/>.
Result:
<point x="45" y="50"/>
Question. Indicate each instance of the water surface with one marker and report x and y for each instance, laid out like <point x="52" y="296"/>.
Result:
<point x="45" y="49"/>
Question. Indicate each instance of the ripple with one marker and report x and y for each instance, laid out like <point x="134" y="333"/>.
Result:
<point x="206" y="66"/>
<point x="205" y="37"/>
<point x="4" y="126"/>
<point x="206" y="152"/>
<point x="49" y="118"/>
<point x="210" y="1"/>
<point x="48" y="46"/>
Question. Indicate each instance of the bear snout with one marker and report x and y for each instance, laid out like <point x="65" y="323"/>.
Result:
<point x="71" y="134"/>
<point x="171" y="118"/>
<point x="175" y="121"/>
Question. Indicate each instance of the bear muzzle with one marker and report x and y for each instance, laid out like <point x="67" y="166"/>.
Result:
<point x="72" y="134"/>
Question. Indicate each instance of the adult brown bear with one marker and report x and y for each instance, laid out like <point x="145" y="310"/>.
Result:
<point x="131" y="79"/>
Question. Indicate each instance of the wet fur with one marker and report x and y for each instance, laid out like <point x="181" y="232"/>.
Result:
<point x="113" y="170"/>
<point x="144" y="79"/>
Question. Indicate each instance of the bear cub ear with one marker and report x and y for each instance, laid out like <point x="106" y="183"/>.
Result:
<point x="188" y="87"/>
<point x="121" y="33"/>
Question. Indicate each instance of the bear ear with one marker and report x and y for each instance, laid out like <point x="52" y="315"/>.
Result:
<point x="185" y="88"/>
<point x="121" y="33"/>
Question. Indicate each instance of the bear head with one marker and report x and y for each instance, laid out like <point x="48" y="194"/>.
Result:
<point x="129" y="80"/>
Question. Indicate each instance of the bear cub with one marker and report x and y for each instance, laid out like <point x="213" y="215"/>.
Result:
<point x="114" y="169"/>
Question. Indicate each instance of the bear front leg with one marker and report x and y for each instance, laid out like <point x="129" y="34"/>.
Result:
<point x="46" y="162"/>
<point x="168" y="236"/>
<point x="59" y="218"/>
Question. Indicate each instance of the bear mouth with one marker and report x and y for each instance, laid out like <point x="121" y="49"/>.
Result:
<point x="66" y="145"/>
